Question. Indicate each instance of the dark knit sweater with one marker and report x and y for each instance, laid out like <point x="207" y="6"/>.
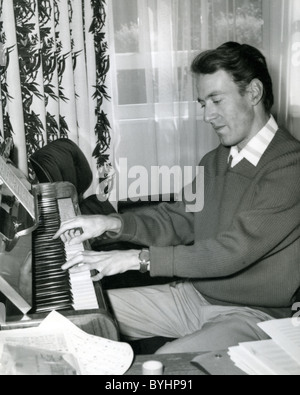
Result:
<point x="244" y="247"/>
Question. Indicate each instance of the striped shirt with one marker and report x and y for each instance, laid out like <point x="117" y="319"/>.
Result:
<point x="256" y="147"/>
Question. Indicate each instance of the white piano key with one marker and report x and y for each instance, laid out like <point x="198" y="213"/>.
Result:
<point x="82" y="286"/>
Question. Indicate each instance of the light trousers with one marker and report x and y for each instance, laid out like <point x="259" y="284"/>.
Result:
<point x="179" y="311"/>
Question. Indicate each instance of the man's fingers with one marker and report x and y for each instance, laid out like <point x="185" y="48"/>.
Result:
<point x="76" y="240"/>
<point x="98" y="277"/>
<point x="81" y="268"/>
<point x="67" y="227"/>
<point x="77" y="260"/>
<point x="88" y="259"/>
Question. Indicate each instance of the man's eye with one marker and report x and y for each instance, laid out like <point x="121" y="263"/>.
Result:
<point x="217" y="101"/>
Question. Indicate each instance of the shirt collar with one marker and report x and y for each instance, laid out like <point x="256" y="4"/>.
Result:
<point x="257" y="146"/>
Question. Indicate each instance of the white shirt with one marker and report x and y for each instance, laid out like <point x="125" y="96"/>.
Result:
<point x="256" y="147"/>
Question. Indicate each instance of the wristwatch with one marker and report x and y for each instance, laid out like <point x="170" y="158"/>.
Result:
<point x="144" y="258"/>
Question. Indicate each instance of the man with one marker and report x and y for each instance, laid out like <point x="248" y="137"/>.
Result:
<point x="241" y="253"/>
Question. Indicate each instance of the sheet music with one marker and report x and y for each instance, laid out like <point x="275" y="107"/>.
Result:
<point x="26" y="361"/>
<point x="17" y="188"/>
<point x="96" y="355"/>
<point x="264" y="358"/>
<point x="35" y="338"/>
<point x="93" y="355"/>
<point x="278" y="356"/>
<point x="30" y="346"/>
<point x="286" y="334"/>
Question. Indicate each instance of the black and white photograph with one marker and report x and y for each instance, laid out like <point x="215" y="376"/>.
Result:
<point x="149" y="190"/>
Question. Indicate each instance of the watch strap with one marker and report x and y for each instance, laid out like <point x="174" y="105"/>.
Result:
<point x="144" y="258"/>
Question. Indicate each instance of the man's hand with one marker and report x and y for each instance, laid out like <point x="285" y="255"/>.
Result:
<point x="83" y="228"/>
<point x="106" y="263"/>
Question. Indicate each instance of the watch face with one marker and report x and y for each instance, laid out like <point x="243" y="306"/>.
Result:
<point x="145" y="256"/>
<point x="144" y="261"/>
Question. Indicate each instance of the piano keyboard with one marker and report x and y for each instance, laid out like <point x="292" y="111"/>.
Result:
<point x="53" y="288"/>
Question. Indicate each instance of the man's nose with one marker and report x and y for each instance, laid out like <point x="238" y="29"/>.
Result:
<point x="209" y="114"/>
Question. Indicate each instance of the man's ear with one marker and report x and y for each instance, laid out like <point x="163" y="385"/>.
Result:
<point x="255" y="91"/>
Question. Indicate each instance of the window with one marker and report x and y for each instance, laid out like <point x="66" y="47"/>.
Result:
<point x="143" y="28"/>
<point x="152" y="44"/>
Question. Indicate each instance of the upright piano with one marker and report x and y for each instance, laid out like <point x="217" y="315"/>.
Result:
<point x="32" y="283"/>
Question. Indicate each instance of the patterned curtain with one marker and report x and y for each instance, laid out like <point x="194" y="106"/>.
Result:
<point x="53" y="69"/>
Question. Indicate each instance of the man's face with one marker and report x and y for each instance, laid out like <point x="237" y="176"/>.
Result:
<point x="230" y="113"/>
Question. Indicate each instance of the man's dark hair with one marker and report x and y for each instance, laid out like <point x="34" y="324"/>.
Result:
<point x="243" y="62"/>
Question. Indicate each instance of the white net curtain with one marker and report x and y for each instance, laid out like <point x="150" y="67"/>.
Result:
<point x="152" y="42"/>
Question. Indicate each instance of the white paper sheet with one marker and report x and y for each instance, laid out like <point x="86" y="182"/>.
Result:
<point x="264" y="358"/>
<point x="278" y="356"/>
<point x="96" y="356"/>
<point x="26" y="361"/>
<point x="286" y="334"/>
<point x="93" y="355"/>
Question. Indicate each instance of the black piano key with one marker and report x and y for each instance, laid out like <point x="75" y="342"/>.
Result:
<point x="50" y="261"/>
<point x="45" y="276"/>
<point x="48" y="241"/>
<point x="57" y="276"/>
<point x="50" y="244"/>
<point x="48" y="270"/>
<point x="50" y="286"/>
<point x="48" y="295"/>
<point x="52" y="250"/>
<point x="56" y="307"/>
<point x="46" y="304"/>
<point x="48" y="267"/>
<point x="48" y="298"/>
<point x="45" y="266"/>
<point x="43" y="261"/>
